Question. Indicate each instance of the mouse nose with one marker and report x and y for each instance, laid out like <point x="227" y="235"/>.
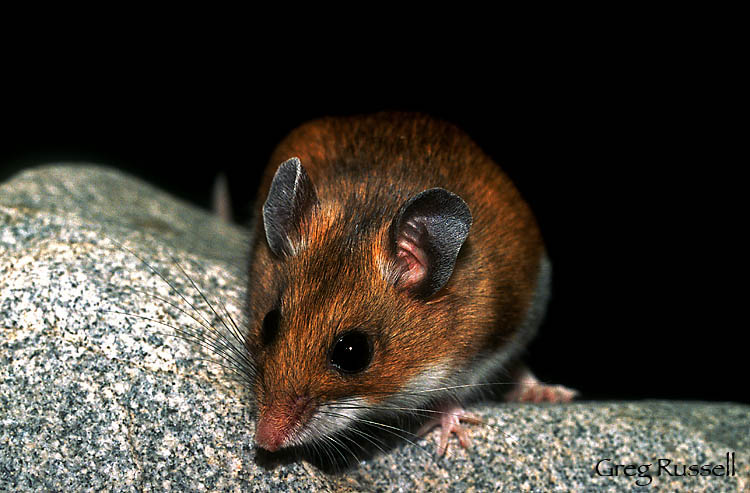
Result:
<point x="268" y="436"/>
<point x="279" y="422"/>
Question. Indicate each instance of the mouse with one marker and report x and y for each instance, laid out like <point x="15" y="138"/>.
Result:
<point x="394" y="268"/>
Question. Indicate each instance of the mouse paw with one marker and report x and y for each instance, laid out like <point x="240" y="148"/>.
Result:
<point x="449" y="420"/>
<point x="530" y="389"/>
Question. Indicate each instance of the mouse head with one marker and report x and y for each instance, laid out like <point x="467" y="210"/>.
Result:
<point x="347" y="312"/>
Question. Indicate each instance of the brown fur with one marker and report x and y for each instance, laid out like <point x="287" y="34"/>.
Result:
<point x="363" y="169"/>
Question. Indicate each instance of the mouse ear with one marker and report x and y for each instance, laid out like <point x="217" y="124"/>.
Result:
<point x="425" y="236"/>
<point x="291" y="195"/>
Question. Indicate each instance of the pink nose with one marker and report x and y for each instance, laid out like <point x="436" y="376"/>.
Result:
<point x="268" y="435"/>
<point x="278" y="422"/>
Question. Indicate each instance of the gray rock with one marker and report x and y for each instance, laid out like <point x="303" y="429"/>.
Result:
<point x="95" y="400"/>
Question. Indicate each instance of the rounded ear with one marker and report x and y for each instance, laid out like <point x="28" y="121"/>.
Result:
<point x="426" y="236"/>
<point x="290" y="197"/>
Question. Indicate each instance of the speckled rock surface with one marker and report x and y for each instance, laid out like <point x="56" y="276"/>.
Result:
<point x="94" y="400"/>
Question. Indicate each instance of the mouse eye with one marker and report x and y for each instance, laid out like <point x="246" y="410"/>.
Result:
<point x="351" y="353"/>
<point x="270" y="327"/>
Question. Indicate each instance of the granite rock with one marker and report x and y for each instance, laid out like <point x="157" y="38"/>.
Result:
<point x="97" y="393"/>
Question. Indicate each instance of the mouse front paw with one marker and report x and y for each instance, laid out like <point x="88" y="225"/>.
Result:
<point x="449" y="420"/>
<point x="529" y="389"/>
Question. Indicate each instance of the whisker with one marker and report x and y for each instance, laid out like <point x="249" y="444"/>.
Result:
<point x="333" y="441"/>
<point x="208" y="337"/>
<point x="369" y="437"/>
<point x="393" y="430"/>
<point x="209" y="330"/>
<point x="206" y="343"/>
<point x="342" y="444"/>
<point x="161" y="276"/>
<point x="447" y="389"/>
<point x="324" y="447"/>
<point x="422" y="412"/>
<point x="235" y="333"/>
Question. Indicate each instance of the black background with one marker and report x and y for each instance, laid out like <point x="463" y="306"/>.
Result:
<point x="621" y="163"/>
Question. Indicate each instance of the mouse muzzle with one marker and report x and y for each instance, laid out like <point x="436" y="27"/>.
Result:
<point x="281" y="420"/>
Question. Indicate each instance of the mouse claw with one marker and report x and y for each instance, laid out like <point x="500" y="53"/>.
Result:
<point x="450" y="422"/>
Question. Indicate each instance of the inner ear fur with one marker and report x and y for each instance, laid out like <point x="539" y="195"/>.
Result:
<point x="426" y="236"/>
<point x="290" y="197"/>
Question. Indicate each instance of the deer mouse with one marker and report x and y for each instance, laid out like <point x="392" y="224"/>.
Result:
<point x="394" y="267"/>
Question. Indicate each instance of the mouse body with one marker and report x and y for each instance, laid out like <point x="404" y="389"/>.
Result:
<point x="394" y="266"/>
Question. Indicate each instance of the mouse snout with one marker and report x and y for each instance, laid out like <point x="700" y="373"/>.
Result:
<point x="281" y="419"/>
